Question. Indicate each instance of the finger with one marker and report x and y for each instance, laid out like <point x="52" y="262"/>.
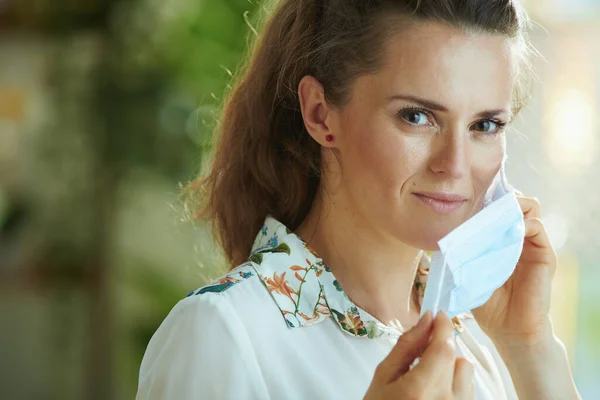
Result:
<point x="530" y="206"/>
<point x="463" y="385"/>
<point x="535" y="232"/>
<point x="410" y="345"/>
<point x="437" y="362"/>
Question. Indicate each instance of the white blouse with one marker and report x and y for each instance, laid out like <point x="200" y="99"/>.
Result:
<point x="280" y="327"/>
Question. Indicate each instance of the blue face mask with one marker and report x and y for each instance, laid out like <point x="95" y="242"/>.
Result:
<point x="478" y="256"/>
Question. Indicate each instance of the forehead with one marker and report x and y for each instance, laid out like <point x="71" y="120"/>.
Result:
<point x="445" y="64"/>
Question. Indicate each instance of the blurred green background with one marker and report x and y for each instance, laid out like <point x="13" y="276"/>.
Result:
<point x="107" y="106"/>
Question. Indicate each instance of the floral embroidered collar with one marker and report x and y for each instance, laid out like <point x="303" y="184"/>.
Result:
<point x="306" y="290"/>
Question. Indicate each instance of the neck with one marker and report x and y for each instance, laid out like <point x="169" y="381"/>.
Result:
<point x="375" y="270"/>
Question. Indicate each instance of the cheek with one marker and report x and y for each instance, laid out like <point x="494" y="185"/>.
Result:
<point x="383" y="159"/>
<point x="484" y="171"/>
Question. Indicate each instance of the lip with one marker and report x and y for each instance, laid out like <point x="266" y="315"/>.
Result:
<point x="443" y="203"/>
<point x="442" y="196"/>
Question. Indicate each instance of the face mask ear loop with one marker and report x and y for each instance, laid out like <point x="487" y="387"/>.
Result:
<point x="503" y="179"/>
<point x="436" y="303"/>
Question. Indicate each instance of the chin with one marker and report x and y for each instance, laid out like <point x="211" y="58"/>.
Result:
<point x="427" y="237"/>
<point x="423" y="240"/>
<point x="427" y="245"/>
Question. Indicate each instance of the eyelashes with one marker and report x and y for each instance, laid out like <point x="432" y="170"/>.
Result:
<point x="499" y="126"/>
<point x="402" y="114"/>
<point x="405" y="114"/>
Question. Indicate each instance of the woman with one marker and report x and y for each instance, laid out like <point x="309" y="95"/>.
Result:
<point x="361" y="133"/>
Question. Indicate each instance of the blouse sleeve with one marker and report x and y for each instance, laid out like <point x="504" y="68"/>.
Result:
<point x="201" y="350"/>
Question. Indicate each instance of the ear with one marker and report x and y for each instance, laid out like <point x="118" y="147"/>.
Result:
<point x="316" y="112"/>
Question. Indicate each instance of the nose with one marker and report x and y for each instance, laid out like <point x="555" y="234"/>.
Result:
<point x="450" y="156"/>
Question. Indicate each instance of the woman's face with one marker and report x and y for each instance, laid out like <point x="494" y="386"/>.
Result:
<point x="428" y="122"/>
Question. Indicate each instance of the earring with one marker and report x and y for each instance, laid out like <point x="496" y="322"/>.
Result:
<point x="329" y="138"/>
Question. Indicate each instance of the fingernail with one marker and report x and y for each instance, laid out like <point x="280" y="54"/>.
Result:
<point x="441" y="314"/>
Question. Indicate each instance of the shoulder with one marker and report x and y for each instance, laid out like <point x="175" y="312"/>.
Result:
<point x="223" y="301"/>
<point x="235" y="299"/>
<point x="203" y="341"/>
<point x="231" y="311"/>
<point x="213" y="303"/>
<point x="235" y="277"/>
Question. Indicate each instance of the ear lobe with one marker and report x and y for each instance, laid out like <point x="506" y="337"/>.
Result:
<point x="316" y="112"/>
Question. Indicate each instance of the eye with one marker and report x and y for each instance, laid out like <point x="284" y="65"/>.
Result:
<point x="415" y="116"/>
<point x="489" y="127"/>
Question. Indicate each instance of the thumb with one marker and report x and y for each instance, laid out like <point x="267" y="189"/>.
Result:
<point x="410" y="345"/>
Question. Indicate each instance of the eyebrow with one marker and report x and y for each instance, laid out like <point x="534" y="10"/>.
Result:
<point x="438" y="107"/>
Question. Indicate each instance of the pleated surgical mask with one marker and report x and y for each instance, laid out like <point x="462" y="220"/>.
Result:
<point x="478" y="256"/>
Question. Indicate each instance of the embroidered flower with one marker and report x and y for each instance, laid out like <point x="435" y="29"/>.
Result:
<point x="273" y="242"/>
<point x="279" y="284"/>
<point x="351" y="322"/>
<point x="315" y="316"/>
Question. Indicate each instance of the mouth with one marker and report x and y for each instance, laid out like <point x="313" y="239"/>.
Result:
<point x="442" y="203"/>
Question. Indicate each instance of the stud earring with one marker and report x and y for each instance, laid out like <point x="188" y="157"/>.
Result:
<point x="329" y="138"/>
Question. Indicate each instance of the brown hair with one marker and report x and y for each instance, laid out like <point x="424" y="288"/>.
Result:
<point x="265" y="163"/>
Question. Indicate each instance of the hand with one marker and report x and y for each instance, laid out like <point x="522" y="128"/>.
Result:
<point x="518" y="312"/>
<point x="439" y="373"/>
